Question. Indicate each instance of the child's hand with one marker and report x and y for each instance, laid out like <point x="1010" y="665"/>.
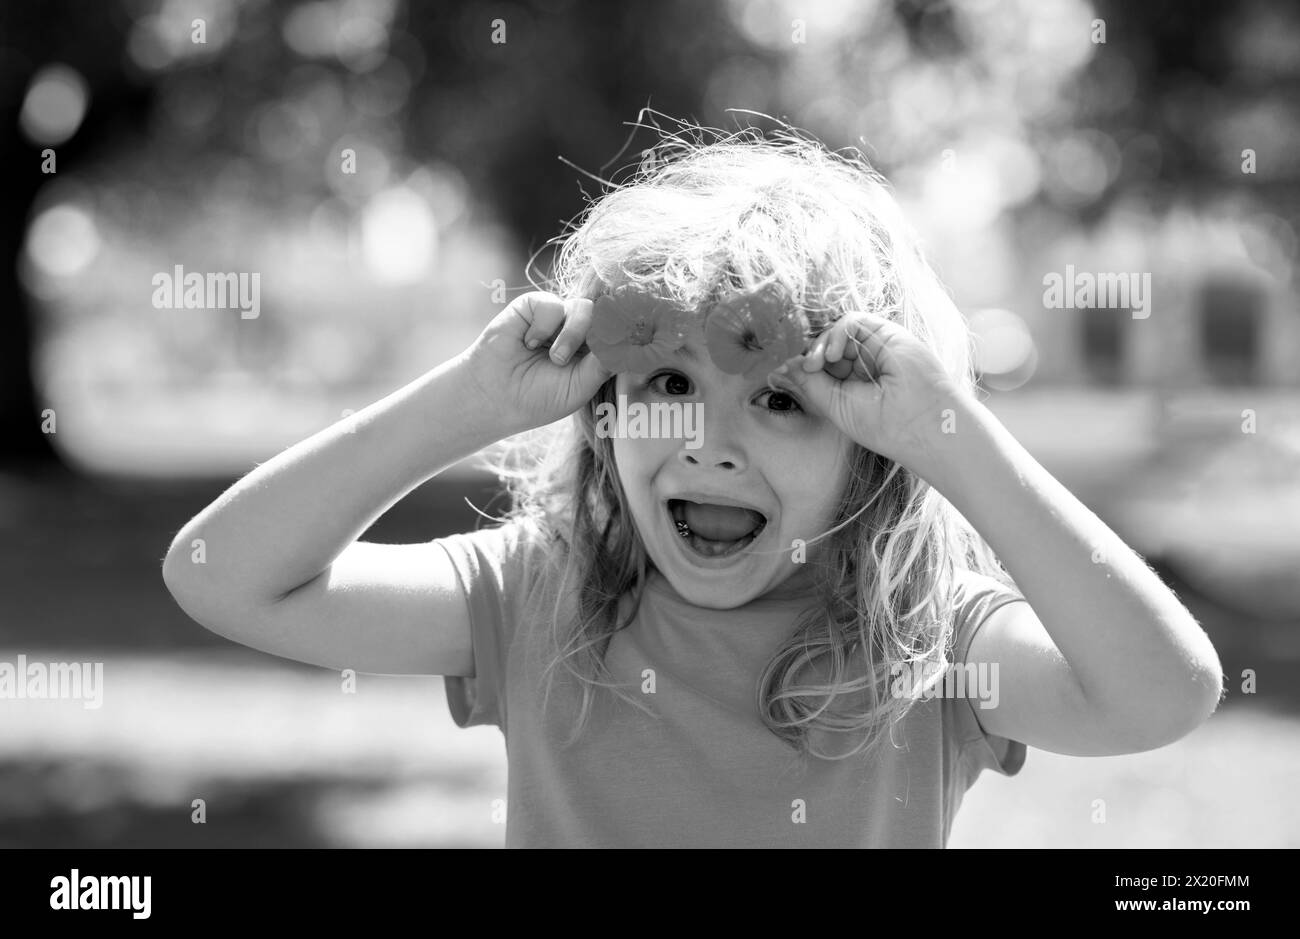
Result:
<point x="880" y="385"/>
<point x="531" y="387"/>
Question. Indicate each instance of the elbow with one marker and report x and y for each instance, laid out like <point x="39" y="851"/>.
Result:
<point x="180" y="575"/>
<point x="1204" y="680"/>
<point x="207" y="593"/>
<point x="175" y="567"/>
<point x="1194" y="689"/>
<point x="1207" y="677"/>
<point x="1184" y="708"/>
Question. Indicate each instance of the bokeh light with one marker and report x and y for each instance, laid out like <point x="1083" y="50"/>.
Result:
<point x="1005" y="353"/>
<point x="399" y="236"/>
<point x="63" y="240"/>
<point x="55" y="105"/>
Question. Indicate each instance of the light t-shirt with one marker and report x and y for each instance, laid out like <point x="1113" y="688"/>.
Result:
<point x="702" y="770"/>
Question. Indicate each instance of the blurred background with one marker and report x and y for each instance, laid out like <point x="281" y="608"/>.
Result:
<point x="388" y="168"/>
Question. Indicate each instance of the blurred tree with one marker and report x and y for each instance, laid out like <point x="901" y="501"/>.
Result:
<point x="1210" y="79"/>
<point x="89" y="37"/>
<point x="570" y="77"/>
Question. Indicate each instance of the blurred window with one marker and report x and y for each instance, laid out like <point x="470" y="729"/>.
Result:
<point x="1230" y="331"/>
<point x="1103" y="348"/>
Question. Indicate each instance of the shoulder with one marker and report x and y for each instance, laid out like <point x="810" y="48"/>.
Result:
<point x="501" y="569"/>
<point x="975" y="596"/>
<point x="506" y="559"/>
<point x="513" y="541"/>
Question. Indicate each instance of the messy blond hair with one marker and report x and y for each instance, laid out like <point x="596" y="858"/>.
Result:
<point x="708" y="213"/>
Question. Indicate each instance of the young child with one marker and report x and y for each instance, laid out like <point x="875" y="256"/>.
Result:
<point x="790" y="631"/>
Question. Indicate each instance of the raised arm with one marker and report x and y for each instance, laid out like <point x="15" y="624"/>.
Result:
<point x="281" y="568"/>
<point x="1103" y="659"/>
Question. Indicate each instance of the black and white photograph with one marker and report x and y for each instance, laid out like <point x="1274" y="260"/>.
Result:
<point x="682" y="425"/>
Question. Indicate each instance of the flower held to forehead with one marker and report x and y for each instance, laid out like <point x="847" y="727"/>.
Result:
<point x="633" y="330"/>
<point x="753" y="330"/>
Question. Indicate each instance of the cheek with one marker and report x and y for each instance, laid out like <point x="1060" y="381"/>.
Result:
<point x="813" y="473"/>
<point x="638" y="460"/>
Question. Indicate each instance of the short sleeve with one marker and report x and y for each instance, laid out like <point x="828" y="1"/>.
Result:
<point x="978" y="595"/>
<point x="494" y="567"/>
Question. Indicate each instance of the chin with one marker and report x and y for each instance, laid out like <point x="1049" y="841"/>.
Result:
<point x="713" y="590"/>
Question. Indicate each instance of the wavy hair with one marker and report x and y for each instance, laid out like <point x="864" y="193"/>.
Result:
<point x="707" y="213"/>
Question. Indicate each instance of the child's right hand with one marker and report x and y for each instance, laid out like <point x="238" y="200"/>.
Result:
<point x="532" y="387"/>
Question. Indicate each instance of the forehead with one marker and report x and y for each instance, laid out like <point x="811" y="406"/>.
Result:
<point x="690" y="353"/>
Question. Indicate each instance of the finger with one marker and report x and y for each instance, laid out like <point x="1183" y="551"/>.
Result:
<point x="545" y="314"/>
<point x="816" y="356"/>
<point x="814" y="360"/>
<point x="589" y="373"/>
<point x="853" y="363"/>
<point x="576" y="322"/>
<point x="836" y="341"/>
<point x="815" y="388"/>
<point x="835" y="400"/>
<point x="873" y="333"/>
<point x="842" y="369"/>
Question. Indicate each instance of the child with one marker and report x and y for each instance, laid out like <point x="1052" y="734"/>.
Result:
<point x="792" y="631"/>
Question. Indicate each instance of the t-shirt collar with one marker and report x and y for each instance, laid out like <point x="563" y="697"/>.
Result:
<point x="782" y="597"/>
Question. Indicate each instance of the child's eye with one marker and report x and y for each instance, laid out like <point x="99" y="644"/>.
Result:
<point x="785" y="404"/>
<point x="676" y="384"/>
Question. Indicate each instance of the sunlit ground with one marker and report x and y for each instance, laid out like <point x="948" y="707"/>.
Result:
<point x="1227" y="785"/>
<point x="253" y="738"/>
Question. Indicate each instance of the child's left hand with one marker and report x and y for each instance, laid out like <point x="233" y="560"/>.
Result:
<point x="881" y="386"/>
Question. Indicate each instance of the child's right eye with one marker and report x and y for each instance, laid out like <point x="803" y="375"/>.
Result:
<point x="676" y="384"/>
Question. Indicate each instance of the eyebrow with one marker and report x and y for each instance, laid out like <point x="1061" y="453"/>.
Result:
<point x="687" y="353"/>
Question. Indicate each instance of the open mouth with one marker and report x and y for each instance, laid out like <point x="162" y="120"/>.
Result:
<point x="715" y="531"/>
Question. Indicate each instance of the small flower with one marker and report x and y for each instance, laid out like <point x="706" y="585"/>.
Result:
<point x="752" y="331"/>
<point x="632" y="330"/>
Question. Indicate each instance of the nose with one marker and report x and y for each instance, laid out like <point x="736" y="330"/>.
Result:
<point x="728" y="463"/>
<point x="719" y="443"/>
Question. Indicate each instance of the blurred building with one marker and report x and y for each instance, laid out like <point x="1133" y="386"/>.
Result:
<point x="1217" y="317"/>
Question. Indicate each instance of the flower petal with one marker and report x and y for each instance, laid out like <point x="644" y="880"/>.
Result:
<point x="725" y="332"/>
<point x="613" y="356"/>
<point x="632" y="329"/>
<point x="608" y="321"/>
<point x="752" y="331"/>
<point x="642" y="359"/>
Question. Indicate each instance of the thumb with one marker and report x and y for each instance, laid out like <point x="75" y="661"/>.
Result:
<point x="590" y="373"/>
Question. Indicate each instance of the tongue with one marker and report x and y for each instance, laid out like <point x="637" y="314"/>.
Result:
<point x="721" y="522"/>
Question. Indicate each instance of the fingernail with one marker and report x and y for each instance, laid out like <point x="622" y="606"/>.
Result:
<point x="532" y="343"/>
<point x="560" y="353"/>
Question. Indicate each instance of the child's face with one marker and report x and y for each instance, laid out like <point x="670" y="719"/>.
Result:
<point x="751" y="445"/>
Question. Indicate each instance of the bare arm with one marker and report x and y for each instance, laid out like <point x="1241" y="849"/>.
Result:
<point x="274" y="563"/>
<point x="1104" y="660"/>
<point x="285" y="535"/>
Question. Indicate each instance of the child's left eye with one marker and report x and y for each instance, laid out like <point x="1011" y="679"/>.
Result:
<point x="790" y="407"/>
